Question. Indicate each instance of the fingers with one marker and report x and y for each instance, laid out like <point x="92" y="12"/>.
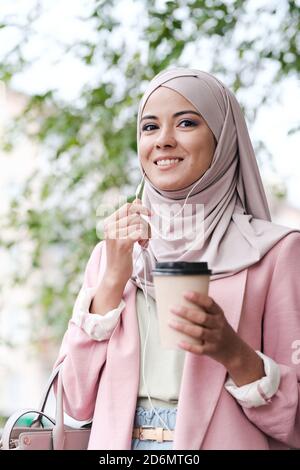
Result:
<point x="128" y="215"/>
<point x="194" y="315"/>
<point x="126" y="210"/>
<point x="195" y="331"/>
<point x="204" y="323"/>
<point x="199" y="349"/>
<point x="135" y="207"/>
<point x="207" y="339"/>
<point x="124" y="227"/>
<point x="130" y="231"/>
<point x="131" y="219"/>
<point x="203" y="301"/>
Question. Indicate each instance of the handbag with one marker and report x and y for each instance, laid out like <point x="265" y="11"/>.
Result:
<point x="56" y="436"/>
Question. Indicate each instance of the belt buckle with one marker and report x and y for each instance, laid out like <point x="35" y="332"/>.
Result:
<point x="141" y="435"/>
<point x="159" y="433"/>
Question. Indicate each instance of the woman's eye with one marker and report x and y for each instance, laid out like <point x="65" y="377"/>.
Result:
<point x="147" y="126"/>
<point x="188" y="122"/>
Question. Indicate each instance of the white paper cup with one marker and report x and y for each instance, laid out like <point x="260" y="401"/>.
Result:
<point x="171" y="280"/>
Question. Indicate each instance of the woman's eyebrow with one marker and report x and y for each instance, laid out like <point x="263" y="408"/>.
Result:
<point x="179" y="113"/>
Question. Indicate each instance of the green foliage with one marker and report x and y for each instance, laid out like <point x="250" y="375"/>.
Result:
<point x="88" y="147"/>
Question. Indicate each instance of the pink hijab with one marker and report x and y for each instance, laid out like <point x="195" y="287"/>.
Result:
<point x="237" y="227"/>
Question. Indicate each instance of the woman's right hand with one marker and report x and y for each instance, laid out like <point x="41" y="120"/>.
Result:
<point x="121" y="230"/>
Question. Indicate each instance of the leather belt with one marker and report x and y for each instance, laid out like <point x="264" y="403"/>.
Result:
<point x="152" y="434"/>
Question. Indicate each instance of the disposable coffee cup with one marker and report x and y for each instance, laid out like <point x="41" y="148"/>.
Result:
<point x="171" y="280"/>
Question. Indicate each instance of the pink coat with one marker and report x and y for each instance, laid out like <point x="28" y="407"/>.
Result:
<point x="101" y="379"/>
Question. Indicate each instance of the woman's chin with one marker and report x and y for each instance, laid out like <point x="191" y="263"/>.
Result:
<point x="167" y="182"/>
<point x="168" y="185"/>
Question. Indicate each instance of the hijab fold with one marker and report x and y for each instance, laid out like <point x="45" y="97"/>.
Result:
<point x="237" y="230"/>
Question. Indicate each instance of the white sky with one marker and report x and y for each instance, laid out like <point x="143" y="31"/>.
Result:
<point x="60" y="24"/>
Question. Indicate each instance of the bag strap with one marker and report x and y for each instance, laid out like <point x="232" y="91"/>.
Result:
<point x="11" y="422"/>
<point x="48" y="387"/>
<point x="38" y="420"/>
<point x="58" y="431"/>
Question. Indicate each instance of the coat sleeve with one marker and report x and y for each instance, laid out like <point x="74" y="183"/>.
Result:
<point x="280" y="419"/>
<point x="83" y="357"/>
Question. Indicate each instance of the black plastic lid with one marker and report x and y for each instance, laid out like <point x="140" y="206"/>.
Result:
<point x="180" y="268"/>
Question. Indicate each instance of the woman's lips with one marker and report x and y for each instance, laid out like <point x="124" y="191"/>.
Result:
<point x="168" y="166"/>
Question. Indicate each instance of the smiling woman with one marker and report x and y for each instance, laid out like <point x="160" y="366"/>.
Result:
<point x="234" y="382"/>
<point x="176" y="146"/>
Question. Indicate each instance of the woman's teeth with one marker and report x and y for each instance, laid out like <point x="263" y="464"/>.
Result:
<point x="168" y="162"/>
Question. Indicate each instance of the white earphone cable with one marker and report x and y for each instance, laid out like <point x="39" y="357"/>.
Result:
<point x="143" y="251"/>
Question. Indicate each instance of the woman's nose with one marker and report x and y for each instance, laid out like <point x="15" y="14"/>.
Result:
<point x="165" y="138"/>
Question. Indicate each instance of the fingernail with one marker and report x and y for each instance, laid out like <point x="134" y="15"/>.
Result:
<point x="189" y="294"/>
<point x="175" y="309"/>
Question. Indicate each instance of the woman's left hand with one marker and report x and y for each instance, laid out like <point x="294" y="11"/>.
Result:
<point x="215" y="337"/>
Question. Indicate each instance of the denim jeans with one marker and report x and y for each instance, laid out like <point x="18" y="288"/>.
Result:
<point x="145" y="417"/>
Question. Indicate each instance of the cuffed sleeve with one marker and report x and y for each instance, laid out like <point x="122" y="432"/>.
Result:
<point x="98" y="327"/>
<point x="281" y="328"/>
<point x="261" y="391"/>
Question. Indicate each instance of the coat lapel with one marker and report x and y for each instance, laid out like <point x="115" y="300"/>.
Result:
<point x="122" y="374"/>
<point x="123" y="356"/>
<point x="203" y="378"/>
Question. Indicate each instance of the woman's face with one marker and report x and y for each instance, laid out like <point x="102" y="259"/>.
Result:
<point x="176" y="145"/>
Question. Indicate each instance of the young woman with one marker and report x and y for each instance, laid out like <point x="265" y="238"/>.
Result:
<point x="238" y="386"/>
